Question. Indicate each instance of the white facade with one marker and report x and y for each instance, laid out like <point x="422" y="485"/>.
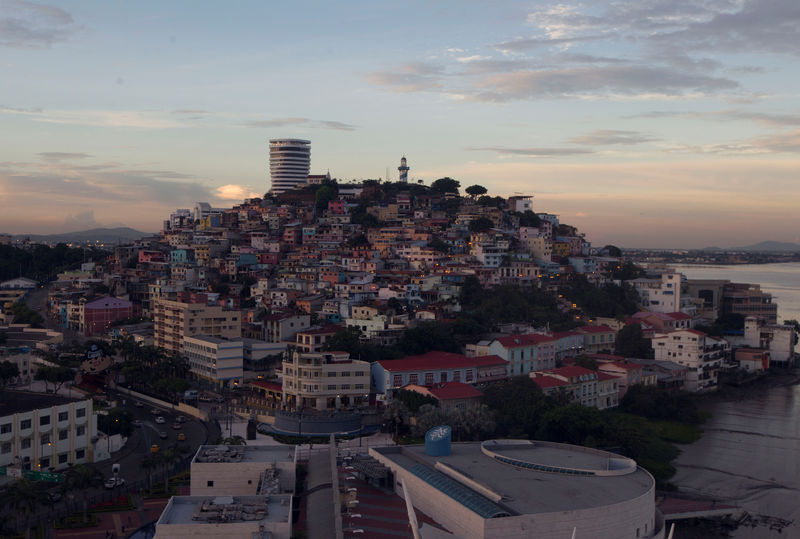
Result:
<point x="289" y="163"/>
<point x="54" y="434"/>
<point x="217" y="361"/>
<point x="661" y="295"/>
<point x="780" y="340"/>
<point x="325" y="380"/>
<point x="701" y="354"/>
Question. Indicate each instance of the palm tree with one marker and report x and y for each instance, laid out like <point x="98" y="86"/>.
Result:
<point x="82" y="477"/>
<point x="168" y="459"/>
<point x="148" y="464"/>
<point x="234" y="440"/>
<point x="24" y="496"/>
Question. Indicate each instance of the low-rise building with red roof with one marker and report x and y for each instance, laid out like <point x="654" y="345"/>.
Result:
<point x="436" y="367"/>
<point x="597" y="338"/>
<point x="580" y="384"/>
<point x="451" y="395"/>
<point x="525" y="353"/>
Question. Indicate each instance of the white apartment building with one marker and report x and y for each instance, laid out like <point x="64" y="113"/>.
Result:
<point x="324" y="380"/>
<point x="525" y="353"/>
<point x="779" y="339"/>
<point x="662" y="295"/>
<point x="41" y="431"/>
<point x="217" y="362"/>
<point x="701" y="354"/>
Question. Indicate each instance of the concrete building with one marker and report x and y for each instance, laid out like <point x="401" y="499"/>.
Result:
<point x="580" y="384"/>
<point x="515" y="489"/>
<point x="283" y="326"/>
<point x="779" y="339"/>
<point x="597" y="339"/>
<point x="214" y="361"/>
<point x="41" y="431"/>
<point x="175" y="320"/>
<point x="703" y="355"/>
<point x="749" y="300"/>
<point x="289" y="164"/>
<point x="661" y="295"/>
<point x="324" y="380"/>
<point x="243" y="470"/>
<point x="98" y="315"/>
<point x="450" y="395"/>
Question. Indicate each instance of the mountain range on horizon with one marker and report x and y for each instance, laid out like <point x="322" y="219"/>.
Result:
<point x="761" y="247"/>
<point x="101" y="235"/>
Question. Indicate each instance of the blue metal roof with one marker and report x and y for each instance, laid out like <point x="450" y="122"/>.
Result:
<point x="466" y="497"/>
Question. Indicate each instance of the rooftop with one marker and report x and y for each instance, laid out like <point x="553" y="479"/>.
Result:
<point x="243" y="453"/>
<point x="439" y="360"/>
<point x="12" y="402"/>
<point x="226" y="509"/>
<point x="537" y="477"/>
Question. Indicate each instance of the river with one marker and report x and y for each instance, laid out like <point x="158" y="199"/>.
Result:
<point x="749" y="454"/>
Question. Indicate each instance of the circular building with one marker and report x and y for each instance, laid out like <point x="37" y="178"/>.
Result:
<point x="289" y="163"/>
<point x="513" y="489"/>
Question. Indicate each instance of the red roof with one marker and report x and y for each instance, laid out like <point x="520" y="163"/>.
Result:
<point x="322" y="331"/>
<point x="527" y="339"/>
<point x="439" y="360"/>
<point x="603" y="376"/>
<point x="564" y="334"/>
<point x="267" y="385"/>
<point x="627" y="365"/>
<point x="546" y="382"/>
<point x="571" y="371"/>
<point x="606" y="357"/>
<point x="453" y="390"/>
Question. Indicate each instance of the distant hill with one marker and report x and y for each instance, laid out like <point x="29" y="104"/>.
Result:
<point x="102" y="235"/>
<point x="769" y="247"/>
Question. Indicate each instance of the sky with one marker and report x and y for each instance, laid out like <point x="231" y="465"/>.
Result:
<point x="664" y="124"/>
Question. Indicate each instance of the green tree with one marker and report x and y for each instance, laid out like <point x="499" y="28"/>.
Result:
<point x="528" y="218"/>
<point x="148" y="464"/>
<point x="476" y="190"/>
<point x="324" y="194"/>
<point x="117" y="421"/>
<point x="413" y="400"/>
<point x="168" y="459"/>
<point x="81" y="478"/>
<point x="631" y="342"/>
<point x="480" y="224"/>
<point x="234" y="440"/>
<point x="54" y="375"/>
<point x="8" y="371"/>
<point x="24" y="496"/>
<point x="518" y="404"/>
<point x="446" y="185"/>
<point x="613" y="250"/>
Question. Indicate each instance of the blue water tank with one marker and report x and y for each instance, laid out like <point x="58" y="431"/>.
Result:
<point x="437" y="441"/>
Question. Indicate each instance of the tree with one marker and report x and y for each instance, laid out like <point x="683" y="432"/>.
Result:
<point x="613" y="250"/>
<point x="81" y="478"/>
<point x="8" y="371"/>
<point x="396" y="416"/>
<point x="117" y="421"/>
<point x="168" y="458"/>
<point x="324" y="194"/>
<point x="54" y="375"/>
<point x="446" y="185"/>
<point x="476" y="190"/>
<point x="234" y="440"/>
<point x="631" y="343"/>
<point x="428" y="416"/>
<point x="148" y="464"/>
<point x="25" y="497"/>
<point x="518" y="403"/>
<point x="414" y="400"/>
<point x="528" y="218"/>
<point x="480" y="224"/>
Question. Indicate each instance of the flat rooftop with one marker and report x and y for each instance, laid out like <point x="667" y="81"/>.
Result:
<point x="531" y="491"/>
<point x="226" y="509"/>
<point x="243" y="453"/>
<point x="12" y="402"/>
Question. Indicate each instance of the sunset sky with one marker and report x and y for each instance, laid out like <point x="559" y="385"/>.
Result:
<point x="644" y="123"/>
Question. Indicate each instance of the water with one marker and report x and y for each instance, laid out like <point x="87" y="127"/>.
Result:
<point x="749" y="454"/>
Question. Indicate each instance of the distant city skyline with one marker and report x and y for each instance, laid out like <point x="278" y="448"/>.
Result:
<point x="659" y="124"/>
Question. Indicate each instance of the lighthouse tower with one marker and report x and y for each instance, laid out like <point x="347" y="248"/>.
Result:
<point x="403" y="170"/>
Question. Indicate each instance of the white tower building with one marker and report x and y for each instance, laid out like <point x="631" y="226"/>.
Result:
<point x="289" y="163"/>
<point x="403" y="170"/>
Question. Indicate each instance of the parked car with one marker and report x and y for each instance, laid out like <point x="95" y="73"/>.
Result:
<point x="154" y="411"/>
<point x="138" y="404"/>
<point x="155" y="448"/>
<point x="160" y="420"/>
<point x="181" y="419"/>
<point x="181" y="437"/>
<point x="112" y="482"/>
<point x="162" y="434"/>
<point x="136" y="423"/>
<point x="176" y="425"/>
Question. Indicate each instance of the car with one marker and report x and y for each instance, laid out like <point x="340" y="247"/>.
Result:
<point x="155" y="448"/>
<point x="136" y="423"/>
<point x="162" y="434"/>
<point x="181" y="419"/>
<point x="138" y="404"/>
<point x="160" y="420"/>
<point x="181" y="437"/>
<point x="176" y="425"/>
<point x="112" y="482"/>
<point x="154" y="411"/>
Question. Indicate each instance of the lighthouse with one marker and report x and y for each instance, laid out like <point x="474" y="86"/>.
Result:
<point x="403" y="170"/>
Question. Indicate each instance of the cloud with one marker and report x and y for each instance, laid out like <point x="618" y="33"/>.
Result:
<point x="12" y="110"/>
<point x="612" y="136"/>
<point x="518" y="45"/>
<point x="60" y="156"/>
<point x="473" y="58"/>
<point x="80" y="221"/>
<point x="727" y="115"/>
<point x="411" y="77"/>
<point x="30" y="25"/>
<point x="787" y="142"/>
<point x="301" y="122"/>
<point x="235" y="192"/>
<point x="533" y="152"/>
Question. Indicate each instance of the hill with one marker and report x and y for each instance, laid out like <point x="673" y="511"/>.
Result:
<point x="100" y="235"/>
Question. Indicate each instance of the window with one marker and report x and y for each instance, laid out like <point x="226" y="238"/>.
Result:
<point x="413" y="378"/>
<point x="209" y="483"/>
<point x="345" y="373"/>
<point x="5" y="448"/>
<point x="25" y="443"/>
<point x="5" y="428"/>
<point x="25" y="424"/>
<point x="81" y="430"/>
<point x="428" y="378"/>
<point x="397" y="380"/>
<point x="332" y="387"/>
<point x="456" y="376"/>
<point x="44" y="420"/>
<point x="63" y="434"/>
<point x="80" y="412"/>
<point x="80" y="453"/>
<point x="44" y="463"/>
<point x="332" y="374"/>
<point x="468" y="376"/>
<point x="45" y="438"/>
<point x="62" y="459"/>
<point x="63" y="416"/>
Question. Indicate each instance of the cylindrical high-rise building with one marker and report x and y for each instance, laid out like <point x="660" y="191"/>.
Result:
<point x="289" y="163"/>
